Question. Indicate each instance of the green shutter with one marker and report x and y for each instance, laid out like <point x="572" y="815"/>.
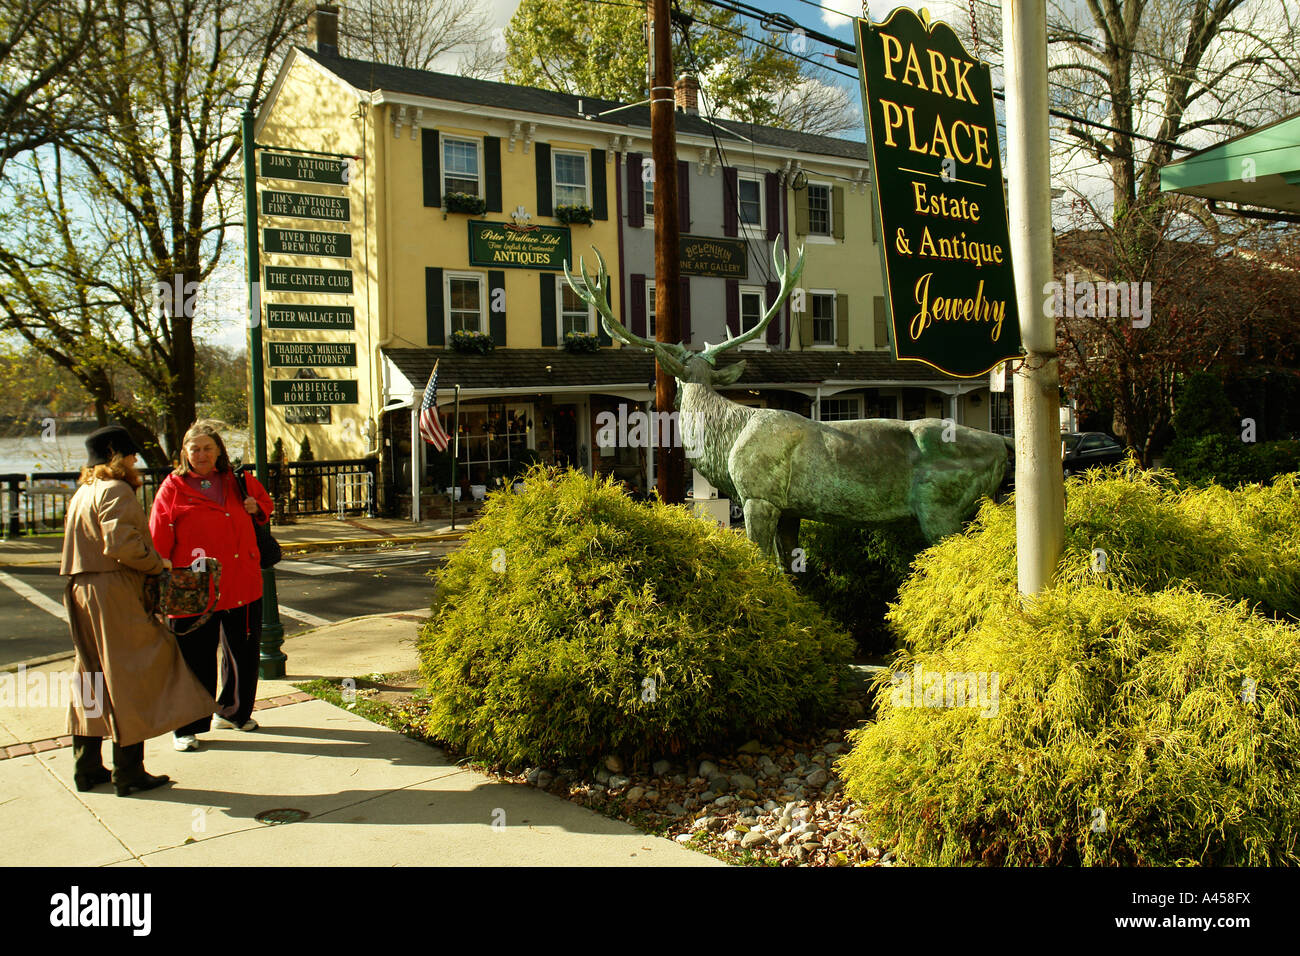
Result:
<point x="599" y="201"/>
<point x="433" y="306"/>
<point x="497" y="318"/>
<point x="801" y="212"/>
<point x="543" y="157"/>
<point x="842" y="321"/>
<point x="492" y="172"/>
<point x="431" y="160"/>
<point x="547" y="295"/>
<point x="837" y="211"/>
<point x="806" y="329"/>
<point x="882" y="324"/>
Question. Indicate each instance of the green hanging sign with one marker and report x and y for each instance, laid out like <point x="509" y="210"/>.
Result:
<point x="945" y="241"/>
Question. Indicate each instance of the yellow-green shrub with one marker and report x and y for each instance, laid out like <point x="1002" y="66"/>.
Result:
<point x="574" y="622"/>
<point x="1155" y="533"/>
<point x="1131" y="728"/>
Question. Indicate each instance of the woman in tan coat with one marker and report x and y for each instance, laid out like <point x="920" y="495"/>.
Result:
<point x="135" y="683"/>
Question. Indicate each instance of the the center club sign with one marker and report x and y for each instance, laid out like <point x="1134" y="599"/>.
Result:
<point x="945" y="241"/>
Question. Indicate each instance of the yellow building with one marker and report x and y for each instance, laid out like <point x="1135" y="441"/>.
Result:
<point x="447" y="230"/>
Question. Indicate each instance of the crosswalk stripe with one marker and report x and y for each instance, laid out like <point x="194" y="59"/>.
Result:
<point x="307" y="567"/>
<point x="303" y="616"/>
<point x="34" y="596"/>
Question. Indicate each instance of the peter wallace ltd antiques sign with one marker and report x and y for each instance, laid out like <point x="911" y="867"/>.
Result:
<point x="717" y="258"/>
<point x="506" y="245"/>
<point x="945" y="242"/>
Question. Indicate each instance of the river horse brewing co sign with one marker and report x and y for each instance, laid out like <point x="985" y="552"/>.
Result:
<point x="934" y="151"/>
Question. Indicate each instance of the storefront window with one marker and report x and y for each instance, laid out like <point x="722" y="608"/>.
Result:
<point x="494" y="440"/>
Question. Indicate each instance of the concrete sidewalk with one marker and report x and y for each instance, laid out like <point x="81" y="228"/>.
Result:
<point x="372" y="796"/>
<point x="304" y="536"/>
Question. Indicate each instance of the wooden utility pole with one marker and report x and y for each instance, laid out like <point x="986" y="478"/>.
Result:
<point x="663" y="136"/>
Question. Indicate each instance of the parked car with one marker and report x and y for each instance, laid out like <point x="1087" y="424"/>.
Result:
<point x="1083" y="450"/>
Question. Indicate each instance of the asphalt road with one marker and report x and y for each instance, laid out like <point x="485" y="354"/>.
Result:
<point x="313" y="590"/>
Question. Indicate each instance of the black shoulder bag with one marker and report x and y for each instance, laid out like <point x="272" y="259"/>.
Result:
<point x="267" y="546"/>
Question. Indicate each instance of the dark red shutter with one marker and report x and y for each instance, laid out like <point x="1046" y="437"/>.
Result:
<point x="773" y="331"/>
<point x="684" y="310"/>
<point x="635" y="191"/>
<point x="733" y="306"/>
<point x="730" y="184"/>
<point x="773" y="206"/>
<point x="638" y="298"/>
<point x="684" y="195"/>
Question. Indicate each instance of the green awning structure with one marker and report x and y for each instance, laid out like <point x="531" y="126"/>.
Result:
<point x="1259" y="168"/>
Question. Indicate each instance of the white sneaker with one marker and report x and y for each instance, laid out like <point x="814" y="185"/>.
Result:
<point x="220" y="723"/>
<point x="188" y="742"/>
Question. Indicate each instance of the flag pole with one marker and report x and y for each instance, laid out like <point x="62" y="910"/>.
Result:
<point x="455" y="454"/>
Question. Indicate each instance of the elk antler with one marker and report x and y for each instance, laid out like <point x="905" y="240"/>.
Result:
<point x="788" y="279"/>
<point x="594" y="293"/>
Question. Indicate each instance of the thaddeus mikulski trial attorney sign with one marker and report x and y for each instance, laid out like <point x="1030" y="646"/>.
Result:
<point x="944" y="236"/>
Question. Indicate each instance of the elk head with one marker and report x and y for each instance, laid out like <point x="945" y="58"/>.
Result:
<point x="675" y="358"/>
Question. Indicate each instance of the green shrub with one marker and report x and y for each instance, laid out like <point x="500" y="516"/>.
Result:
<point x="853" y="574"/>
<point x="574" y="622"/>
<point x="1155" y="533"/>
<point x="1202" y="408"/>
<point x="1130" y="729"/>
<point x="1231" y="462"/>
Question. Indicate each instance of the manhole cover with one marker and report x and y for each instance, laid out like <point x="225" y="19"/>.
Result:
<point x="283" y="815"/>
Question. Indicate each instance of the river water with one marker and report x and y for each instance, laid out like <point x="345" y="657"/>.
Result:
<point x="33" y="454"/>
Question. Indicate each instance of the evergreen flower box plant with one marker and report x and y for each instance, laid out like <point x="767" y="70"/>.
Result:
<point x="580" y="342"/>
<point x="574" y="214"/>
<point x="464" y="202"/>
<point x="464" y="341"/>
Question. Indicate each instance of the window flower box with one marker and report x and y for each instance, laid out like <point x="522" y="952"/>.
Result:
<point x="480" y="342"/>
<point x="581" y="342"/>
<point x="464" y="202"/>
<point x="574" y="214"/>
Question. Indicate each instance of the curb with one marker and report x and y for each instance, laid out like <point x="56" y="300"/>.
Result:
<point x="410" y="615"/>
<point x="37" y="661"/>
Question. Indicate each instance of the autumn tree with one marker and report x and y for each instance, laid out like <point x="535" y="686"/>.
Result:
<point x="1146" y="81"/>
<point x="599" y="50"/>
<point x="106" y="235"/>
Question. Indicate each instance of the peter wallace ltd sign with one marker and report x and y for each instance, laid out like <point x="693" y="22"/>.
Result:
<point x="503" y="244"/>
<point x="945" y="242"/>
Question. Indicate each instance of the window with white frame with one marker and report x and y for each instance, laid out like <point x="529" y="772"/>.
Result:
<point x="841" y="409"/>
<point x="464" y="297"/>
<point x="460" y="166"/>
<point x="570" y="181"/>
<point x="819" y="209"/>
<point x="650" y="306"/>
<point x="749" y="202"/>
<point x="648" y="185"/>
<point x="573" y="313"/>
<point x="823" y="316"/>
<point x="751" y="311"/>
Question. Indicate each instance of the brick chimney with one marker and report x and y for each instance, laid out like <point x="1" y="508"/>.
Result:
<point x="323" y="26"/>
<point x="687" y="94"/>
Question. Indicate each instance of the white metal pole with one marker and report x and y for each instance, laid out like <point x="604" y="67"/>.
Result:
<point x="416" y="443"/>
<point x="1040" y="494"/>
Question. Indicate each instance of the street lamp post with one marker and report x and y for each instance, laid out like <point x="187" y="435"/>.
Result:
<point x="272" y="661"/>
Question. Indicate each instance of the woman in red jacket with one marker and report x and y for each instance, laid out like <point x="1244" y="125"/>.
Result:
<point x="197" y="514"/>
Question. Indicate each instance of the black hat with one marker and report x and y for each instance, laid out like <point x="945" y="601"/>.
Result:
<point x="103" y="444"/>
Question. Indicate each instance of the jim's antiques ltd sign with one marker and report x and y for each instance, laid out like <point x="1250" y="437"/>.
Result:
<point x="504" y="244"/>
<point x="945" y="242"/>
<point x="718" y="258"/>
<point x="304" y="169"/>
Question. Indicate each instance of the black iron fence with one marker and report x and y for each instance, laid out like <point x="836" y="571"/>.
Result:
<point x="37" y="503"/>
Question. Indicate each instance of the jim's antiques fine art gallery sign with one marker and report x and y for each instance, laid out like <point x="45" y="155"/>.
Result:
<point x="504" y="244"/>
<point x="945" y="242"/>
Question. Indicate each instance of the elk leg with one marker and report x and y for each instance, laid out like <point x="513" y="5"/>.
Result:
<point x="787" y="540"/>
<point x="761" y="519"/>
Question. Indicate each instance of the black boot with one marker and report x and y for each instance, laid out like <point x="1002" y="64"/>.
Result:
<point x="89" y="770"/>
<point x="129" y="773"/>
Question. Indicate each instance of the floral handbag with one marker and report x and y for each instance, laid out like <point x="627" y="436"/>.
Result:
<point x="185" y="592"/>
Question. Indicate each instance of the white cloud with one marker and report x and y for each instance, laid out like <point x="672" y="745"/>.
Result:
<point x="843" y="11"/>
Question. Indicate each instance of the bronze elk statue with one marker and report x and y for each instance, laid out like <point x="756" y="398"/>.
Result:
<point x="783" y="467"/>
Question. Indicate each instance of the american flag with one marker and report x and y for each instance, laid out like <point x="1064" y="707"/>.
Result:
<point x="430" y="424"/>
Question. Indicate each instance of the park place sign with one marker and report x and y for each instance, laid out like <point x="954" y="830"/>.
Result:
<point x="945" y="243"/>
